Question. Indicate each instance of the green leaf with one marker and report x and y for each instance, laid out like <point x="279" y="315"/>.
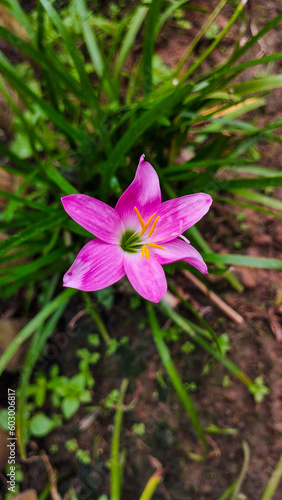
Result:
<point x="4" y="420"/>
<point x="174" y="376"/>
<point x="41" y="425"/>
<point x="259" y="85"/>
<point x="33" y="325"/>
<point x="70" y="405"/>
<point x="243" y="260"/>
<point x="30" y="232"/>
<point x="149" y="42"/>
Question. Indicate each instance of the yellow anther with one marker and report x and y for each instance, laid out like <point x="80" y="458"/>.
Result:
<point x="145" y="251"/>
<point x="153" y="226"/>
<point x="140" y="219"/>
<point x="154" y="245"/>
<point x="146" y="225"/>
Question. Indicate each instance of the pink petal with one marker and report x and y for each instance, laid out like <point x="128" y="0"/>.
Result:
<point x="180" y="250"/>
<point x="97" y="266"/>
<point x="95" y="216"/>
<point x="177" y="215"/>
<point x="144" y="193"/>
<point x="146" y="276"/>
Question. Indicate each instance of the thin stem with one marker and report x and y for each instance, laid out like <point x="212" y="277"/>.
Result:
<point x="174" y="376"/>
<point x="217" y="40"/>
<point x="116" y="457"/>
<point x="97" y="318"/>
<point x="180" y="321"/>
<point x="198" y="37"/>
<point x="243" y="472"/>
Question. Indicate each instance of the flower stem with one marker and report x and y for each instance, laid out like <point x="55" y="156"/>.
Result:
<point x="97" y="318"/>
<point x="174" y="376"/>
<point x="117" y="458"/>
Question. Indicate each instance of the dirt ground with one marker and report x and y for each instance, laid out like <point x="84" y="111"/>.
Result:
<point x="169" y="440"/>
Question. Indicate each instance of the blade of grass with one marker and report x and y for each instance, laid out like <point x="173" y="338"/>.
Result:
<point x="149" y="43"/>
<point x="199" y="35"/>
<point x="259" y="85"/>
<point x="243" y="260"/>
<point x="163" y="106"/>
<point x="37" y="228"/>
<point x="174" y="376"/>
<point x="260" y="198"/>
<point x="243" y="204"/>
<point x="186" y="327"/>
<point x="57" y="118"/>
<point x="152" y="485"/>
<point x="33" y="325"/>
<point x="74" y="53"/>
<point x="135" y="24"/>
<point x="216" y="41"/>
<point x="93" y="47"/>
<point x="37" y="344"/>
<point x="116" y="465"/>
<point x="274" y="481"/>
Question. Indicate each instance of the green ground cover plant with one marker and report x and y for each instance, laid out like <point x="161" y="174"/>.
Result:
<point x="88" y="104"/>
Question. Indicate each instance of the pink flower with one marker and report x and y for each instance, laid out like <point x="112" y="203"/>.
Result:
<point x="136" y="237"/>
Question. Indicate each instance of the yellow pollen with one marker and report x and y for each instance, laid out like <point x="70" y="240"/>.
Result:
<point x="145" y="251"/>
<point x="153" y="226"/>
<point x="154" y="245"/>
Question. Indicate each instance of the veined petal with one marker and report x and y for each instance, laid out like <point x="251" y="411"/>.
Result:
<point x="177" y="215"/>
<point x="144" y="193"/>
<point x="146" y="276"/>
<point x="97" y="266"/>
<point x="94" y="215"/>
<point x="180" y="250"/>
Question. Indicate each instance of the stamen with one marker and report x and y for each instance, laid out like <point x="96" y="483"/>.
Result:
<point x="140" y="219"/>
<point x="154" y="245"/>
<point x="183" y="238"/>
<point x="153" y="226"/>
<point x="146" y="225"/>
<point x="145" y="251"/>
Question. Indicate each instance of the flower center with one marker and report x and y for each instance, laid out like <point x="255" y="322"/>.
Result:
<point x="130" y="242"/>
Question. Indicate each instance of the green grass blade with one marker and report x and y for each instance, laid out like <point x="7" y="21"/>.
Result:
<point x="93" y="47"/>
<point x="29" y="268"/>
<point x="174" y="376"/>
<point x="242" y="260"/>
<point x="135" y="24"/>
<point x="58" y="179"/>
<point x="274" y="481"/>
<point x="116" y="463"/>
<point x="151" y="486"/>
<point x="18" y="12"/>
<point x="57" y="118"/>
<point x="244" y="204"/>
<point x="199" y="35"/>
<point x="186" y="327"/>
<point x="216" y="41"/>
<point x="259" y="85"/>
<point x="149" y="43"/>
<point x="250" y="182"/>
<point x="164" y="106"/>
<point x="37" y="344"/>
<point x="268" y="201"/>
<point x="30" y="232"/>
<point x="33" y="325"/>
<point x="74" y="53"/>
